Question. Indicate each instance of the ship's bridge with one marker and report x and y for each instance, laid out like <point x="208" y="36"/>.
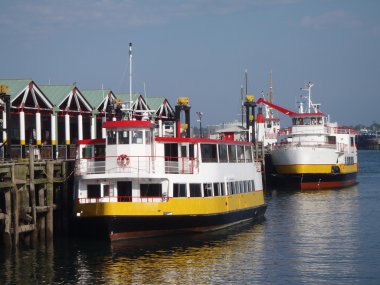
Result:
<point x="127" y="138"/>
<point x="308" y="119"/>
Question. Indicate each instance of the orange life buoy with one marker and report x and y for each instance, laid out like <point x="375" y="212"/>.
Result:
<point x="123" y="160"/>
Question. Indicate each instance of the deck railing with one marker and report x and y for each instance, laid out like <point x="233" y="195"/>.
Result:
<point x="114" y="199"/>
<point x="136" y="165"/>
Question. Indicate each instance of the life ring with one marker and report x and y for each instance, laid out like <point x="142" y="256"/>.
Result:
<point x="123" y="160"/>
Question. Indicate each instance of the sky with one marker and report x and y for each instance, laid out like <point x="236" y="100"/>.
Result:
<point x="201" y="49"/>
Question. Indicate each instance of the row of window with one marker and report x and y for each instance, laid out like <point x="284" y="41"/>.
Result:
<point x="308" y="121"/>
<point x="349" y="160"/>
<point x="179" y="189"/>
<point x="226" y="153"/>
<point x="213" y="189"/>
<point x="129" y="137"/>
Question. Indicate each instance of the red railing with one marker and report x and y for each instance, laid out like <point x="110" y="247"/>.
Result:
<point x="114" y="199"/>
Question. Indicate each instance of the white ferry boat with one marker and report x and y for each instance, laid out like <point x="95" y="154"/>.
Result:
<point x="313" y="153"/>
<point x="139" y="182"/>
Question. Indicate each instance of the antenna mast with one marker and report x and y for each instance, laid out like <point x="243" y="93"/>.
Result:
<point x="246" y="82"/>
<point x="270" y="88"/>
<point x="130" y="80"/>
<point x="242" y="105"/>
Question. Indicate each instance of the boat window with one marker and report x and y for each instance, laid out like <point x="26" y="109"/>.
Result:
<point x="320" y="121"/>
<point x="87" y="152"/>
<point x="230" y="188"/>
<point x="253" y="186"/>
<point x="183" y="151"/>
<point x="222" y="192"/>
<point x="237" y="187"/>
<point x="93" y="191"/>
<point x="208" y="152"/>
<point x="248" y="153"/>
<point x="352" y="141"/>
<point x="294" y="121"/>
<point x="124" y="191"/>
<point x="191" y="150"/>
<point x="179" y="190"/>
<point x="306" y="121"/>
<point x="232" y="153"/>
<point x="111" y="137"/>
<point x="148" y="137"/>
<point x="106" y="190"/>
<point x="137" y="137"/>
<point x="233" y="187"/>
<point x="123" y="137"/>
<point x="242" y="186"/>
<point x="151" y="190"/>
<point x="240" y="153"/>
<point x="207" y="189"/>
<point x="223" y="153"/>
<point x="331" y="140"/>
<point x="247" y="186"/>
<point x="216" y="189"/>
<point x="195" y="190"/>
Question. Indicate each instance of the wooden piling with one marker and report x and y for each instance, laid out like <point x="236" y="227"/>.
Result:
<point x="49" y="200"/>
<point x="32" y="193"/>
<point x="7" y="236"/>
<point x="27" y="200"/>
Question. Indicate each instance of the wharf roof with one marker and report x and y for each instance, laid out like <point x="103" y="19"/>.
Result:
<point x="15" y="86"/>
<point x="67" y="97"/>
<point x="161" y="107"/>
<point x="25" y="94"/>
<point x="57" y="93"/>
<point x="99" y="98"/>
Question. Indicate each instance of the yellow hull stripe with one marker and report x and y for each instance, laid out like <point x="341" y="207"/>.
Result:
<point x="67" y="141"/>
<point x="315" y="168"/>
<point x="174" y="206"/>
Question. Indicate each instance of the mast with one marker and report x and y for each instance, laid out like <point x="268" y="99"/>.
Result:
<point x="246" y="82"/>
<point x="130" y="80"/>
<point x="308" y="89"/>
<point x="270" y="88"/>
<point x="242" y="105"/>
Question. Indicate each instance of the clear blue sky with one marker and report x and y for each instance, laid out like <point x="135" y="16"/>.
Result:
<point x="201" y="48"/>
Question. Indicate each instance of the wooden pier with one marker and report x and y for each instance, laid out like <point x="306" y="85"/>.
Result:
<point x="30" y="192"/>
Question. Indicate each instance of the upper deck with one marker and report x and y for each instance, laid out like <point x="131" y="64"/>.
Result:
<point x="131" y="148"/>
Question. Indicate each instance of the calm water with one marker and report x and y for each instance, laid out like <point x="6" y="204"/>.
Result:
<point x="324" y="237"/>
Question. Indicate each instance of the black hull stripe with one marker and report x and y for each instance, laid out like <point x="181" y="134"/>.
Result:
<point x="313" y="181"/>
<point x="125" y="227"/>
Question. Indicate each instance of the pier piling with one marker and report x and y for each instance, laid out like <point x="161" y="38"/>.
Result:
<point x="28" y="190"/>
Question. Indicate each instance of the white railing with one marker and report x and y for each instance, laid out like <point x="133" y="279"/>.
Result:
<point x="316" y="130"/>
<point x="303" y="144"/>
<point x="137" y="165"/>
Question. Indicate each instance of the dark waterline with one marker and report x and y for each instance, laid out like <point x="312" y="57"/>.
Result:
<point x="319" y="237"/>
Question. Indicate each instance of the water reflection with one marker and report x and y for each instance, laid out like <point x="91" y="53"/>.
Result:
<point x="315" y="237"/>
<point x="24" y="266"/>
<point x="311" y="230"/>
<point x="201" y="259"/>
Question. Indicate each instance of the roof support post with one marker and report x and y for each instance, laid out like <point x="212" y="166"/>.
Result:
<point x="38" y="128"/>
<point x="80" y="127"/>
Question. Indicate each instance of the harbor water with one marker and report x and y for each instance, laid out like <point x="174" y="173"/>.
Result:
<point x="316" y="237"/>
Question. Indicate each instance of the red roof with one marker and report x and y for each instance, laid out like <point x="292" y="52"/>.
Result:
<point x="127" y="124"/>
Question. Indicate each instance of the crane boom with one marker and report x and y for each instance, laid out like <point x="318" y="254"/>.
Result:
<point x="278" y="108"/>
